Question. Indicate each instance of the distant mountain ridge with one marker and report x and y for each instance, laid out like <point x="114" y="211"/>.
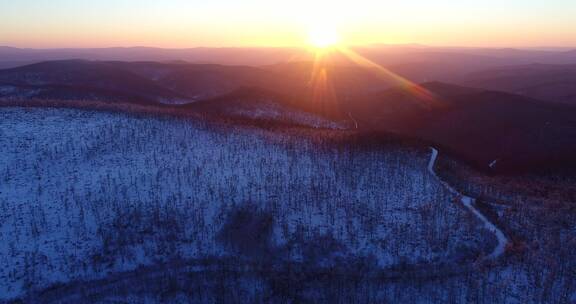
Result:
<point x="146" y="82"/>
<point x="388" y="55"/>
<point x="154" y="82"/>
<point x="554" y="83"/>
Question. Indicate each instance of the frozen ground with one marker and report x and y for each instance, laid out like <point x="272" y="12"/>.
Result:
<point x="110" y="207"/>
<point x="88" y="195"/>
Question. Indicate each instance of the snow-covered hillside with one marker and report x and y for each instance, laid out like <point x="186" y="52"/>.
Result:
<point x="84" y="195"/>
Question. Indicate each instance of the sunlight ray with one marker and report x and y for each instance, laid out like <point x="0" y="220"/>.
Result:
<point x="422" y="94"/>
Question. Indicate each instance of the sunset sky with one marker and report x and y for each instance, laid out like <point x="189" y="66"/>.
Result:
<point x="190" y="23"/>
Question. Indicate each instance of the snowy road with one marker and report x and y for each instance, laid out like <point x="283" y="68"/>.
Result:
<point x="468" y="202"/>
<point x="354" y="120"/>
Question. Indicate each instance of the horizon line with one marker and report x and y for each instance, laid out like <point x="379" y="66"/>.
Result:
<point x="535" y="47"/>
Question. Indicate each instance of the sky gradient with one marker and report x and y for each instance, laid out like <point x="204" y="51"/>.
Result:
<point x="217" y="23"/>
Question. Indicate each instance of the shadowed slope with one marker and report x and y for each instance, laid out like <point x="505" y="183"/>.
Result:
<point x="481" y="126"/>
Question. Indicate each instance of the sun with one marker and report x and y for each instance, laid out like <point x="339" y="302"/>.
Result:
<point x="323" y="35"/>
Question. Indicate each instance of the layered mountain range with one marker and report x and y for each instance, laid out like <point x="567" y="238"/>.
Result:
<point x="499" y="117"/>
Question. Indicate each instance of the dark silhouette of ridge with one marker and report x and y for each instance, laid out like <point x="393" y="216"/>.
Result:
<point x="481" y="126"/>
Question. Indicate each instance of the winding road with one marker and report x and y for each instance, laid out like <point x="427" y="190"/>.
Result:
<point x="468" y="202"/>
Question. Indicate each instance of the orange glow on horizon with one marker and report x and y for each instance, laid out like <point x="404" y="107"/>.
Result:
<point x="259" y="23"/>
